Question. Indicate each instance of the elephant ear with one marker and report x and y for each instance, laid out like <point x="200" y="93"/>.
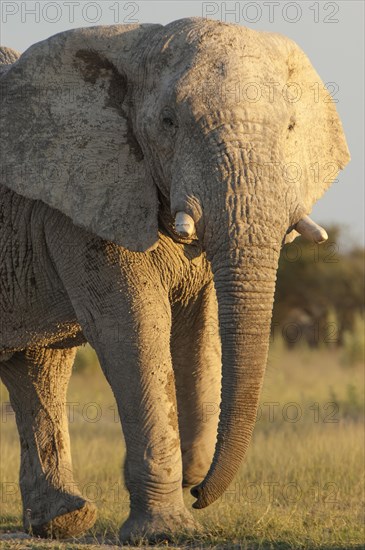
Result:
<point x="316" y="148"/>
<point x="67" y="137"/>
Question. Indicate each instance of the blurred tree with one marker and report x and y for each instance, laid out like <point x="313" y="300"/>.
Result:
<point x="319" y="292"/>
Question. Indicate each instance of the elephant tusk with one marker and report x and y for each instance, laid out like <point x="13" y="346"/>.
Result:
<point x="184" y="224"/>
<point x="311" y="231"/>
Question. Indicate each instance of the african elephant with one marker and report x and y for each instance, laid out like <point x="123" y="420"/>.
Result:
<point x="151" y="175"/>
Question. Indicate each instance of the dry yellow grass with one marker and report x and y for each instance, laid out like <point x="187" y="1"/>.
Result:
<point x="300" y="487"/>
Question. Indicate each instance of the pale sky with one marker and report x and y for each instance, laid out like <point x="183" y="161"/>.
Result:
<point x="331" y="34"/>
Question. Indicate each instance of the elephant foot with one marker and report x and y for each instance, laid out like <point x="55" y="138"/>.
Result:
<point x="68" y="524"/>
<point x="159" y="526"/>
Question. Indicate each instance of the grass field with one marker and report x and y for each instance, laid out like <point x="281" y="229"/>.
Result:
<point x="300" y="487"/>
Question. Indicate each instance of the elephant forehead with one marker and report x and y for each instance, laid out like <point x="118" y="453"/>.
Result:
<point x="206" y="48"/>
<point x="216" y="78"/>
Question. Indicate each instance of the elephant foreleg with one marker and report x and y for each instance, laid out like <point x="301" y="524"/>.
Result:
<point x="196" y="356"/>
<point x="132" y="340"/>
<point x="37" y="381"/>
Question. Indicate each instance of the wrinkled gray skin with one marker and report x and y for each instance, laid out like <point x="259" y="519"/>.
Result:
<point x="88" y="255"/>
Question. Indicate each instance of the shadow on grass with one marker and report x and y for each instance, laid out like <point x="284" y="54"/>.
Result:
<point x="10" y="523"/>
<point x="271" y="545"/>
<point x="286" y="546"/>
<point x="94" y="544"/>
<point x="13" y="538"/>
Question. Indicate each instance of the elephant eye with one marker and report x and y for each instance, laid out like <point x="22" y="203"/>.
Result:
<point x="168" y="121"/>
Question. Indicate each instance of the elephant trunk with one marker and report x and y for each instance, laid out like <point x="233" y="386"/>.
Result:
<point x="245" y="291"/>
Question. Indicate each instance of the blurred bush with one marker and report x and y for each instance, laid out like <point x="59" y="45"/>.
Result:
<point x="320" y="294"/>
<point x="86" y="359"/>
<point x="354" y="343"/>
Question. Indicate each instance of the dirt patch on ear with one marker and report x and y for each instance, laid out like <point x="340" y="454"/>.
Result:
<point x="95" y="66"/>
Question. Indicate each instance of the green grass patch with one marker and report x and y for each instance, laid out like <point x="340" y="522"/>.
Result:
<point x="301" y="486"/>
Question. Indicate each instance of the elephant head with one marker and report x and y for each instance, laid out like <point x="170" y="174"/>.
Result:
<point x="221" y="124"/>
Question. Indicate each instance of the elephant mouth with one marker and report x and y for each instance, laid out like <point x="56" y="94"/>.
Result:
<point x="183" y="240"/>
<point x="166" y="224"/>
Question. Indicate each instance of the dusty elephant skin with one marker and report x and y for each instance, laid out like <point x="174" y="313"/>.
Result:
<point x="107" y="134"/>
